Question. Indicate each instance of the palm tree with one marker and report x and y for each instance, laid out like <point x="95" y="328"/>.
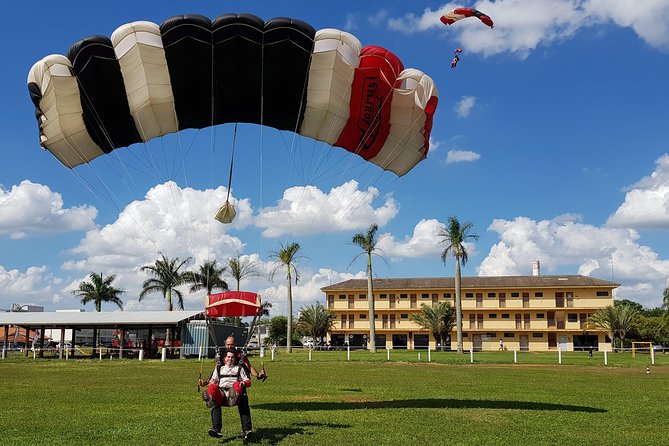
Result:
<point x="166" y="277"/>
<point x="627" y="320"/>
<point x="207" y="277"/>
<point x="665" y="298"/>
<point x="239" y="269"/>
<point x="454" y="236"/>
<point x="440" y="320"/>
<point x="287" y="256"/>
<point x="99" y="290"/>
<point x="606" y="319"/>
<point x="368" y="241"/>
<point x="315" y="320"/>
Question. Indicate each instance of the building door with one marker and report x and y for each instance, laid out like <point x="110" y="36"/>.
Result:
<point x="524" y="343"/>
<point x="479" y="300"/>
<point x="552" y="340"/>
<point x="502" y="300"/>
<point x="380" y="341"/>
<point x="435" y="300"/>
<point x="477" y="342"/>
<point x="400" y="341"/>
<point x="414" y="302"/>
<point x="559" y="300"/>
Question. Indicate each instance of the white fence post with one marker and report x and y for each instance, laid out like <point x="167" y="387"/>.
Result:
<point x="141" y="355"/>
<point x="163" y="355"/>
<point x="652" y="355"/>
<point x="429" y="355"/>
<point x="418" y="356"/>
<point x="272" y="353"/>
<point x="606" y="359"/>
<point x="309" y="353"/>
<point x="515" y="356"/>
<point x="559" y="355"/>
<point x="199" y="354"/>
<point x="348" y="352"/>
<point x="471" y="353"/>
<point x="388" y="353"/>
<point x="3" y="353"/>
<point x="100" y="354"/>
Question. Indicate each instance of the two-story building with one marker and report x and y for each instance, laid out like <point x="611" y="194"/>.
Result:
<point x="528" y="313"/>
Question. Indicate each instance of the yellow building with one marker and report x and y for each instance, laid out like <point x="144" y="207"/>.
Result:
<point x="528" y="313"/>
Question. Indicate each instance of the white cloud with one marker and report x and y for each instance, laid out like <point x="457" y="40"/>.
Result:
<point x="434" y="145"/>
<point x="36" y="285"/>
<point x="172" y="220"/>
<point x="351" y="23"/>
<point x="30" y="208"/>
<point x="422" y="243"/>
<point x="464" y="107"/>
<point x="378" y="18"/>
<point x="522" y="25"/>
<point x="457" y="156"/>
<point x="646" y="203"/>
<point x="307" y="210"/>
<point x="565" y="244"/>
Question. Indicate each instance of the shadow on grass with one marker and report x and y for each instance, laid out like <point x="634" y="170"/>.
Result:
<point x="276" y="436"/>
<point x="444" y="403"/>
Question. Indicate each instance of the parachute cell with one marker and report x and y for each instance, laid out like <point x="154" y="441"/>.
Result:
<point x="149" y="80"/>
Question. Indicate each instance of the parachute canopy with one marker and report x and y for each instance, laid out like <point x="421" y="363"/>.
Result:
<point x="150" y="80"/>
<point x="233" y="303"/>
<point x="462" y="13"/>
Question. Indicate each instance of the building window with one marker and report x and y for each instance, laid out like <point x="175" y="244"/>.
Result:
<point x="491" y="335"/>
<point x="465" y="335"/>
<point x="537" y="335"/>
<point x="479" y="295"/>
<point x="383" y="296"/>
<point x="404" y="316"/>
<point x="362" y="316"/>
<point x="492" y="316"/>
<point x="515" y="294"/>
<point x="540" y="316"/>
<point x="602" y="293"/>
<point x="492" y="295"/>
<point x="509" y="335"/>
<point x="403" y="296"/>
<point x="425" y="296"/>
<point x="447" y="295"/>
<point x="342" y="296"/>
<point x="538" y="294"/>
<point x="505" y="316"/>
<point x="469" y="294"/>
<point x="572" y="317"/>
<point x="362" y="296"/>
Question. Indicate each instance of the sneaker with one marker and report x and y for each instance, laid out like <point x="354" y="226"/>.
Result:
<point x="214" y="433"/>
<point x="208" y="400"/>
<point x="248" y="435"/>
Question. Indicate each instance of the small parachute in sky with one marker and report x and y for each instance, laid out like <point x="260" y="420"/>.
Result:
<point x="456" y="57"/>
<point x="462" y="13"/>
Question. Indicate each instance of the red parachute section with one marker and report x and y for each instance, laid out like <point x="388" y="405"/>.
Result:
<point x="233" y="303"/>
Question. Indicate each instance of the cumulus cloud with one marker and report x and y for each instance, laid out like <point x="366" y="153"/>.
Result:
<point x="351" y="23"/>
<point x="522" y="25"/>
<point x="172" y="220"/>
<point x="464" y="106"/>
<point x="36" y="286"/>
<point x="646" y="203"/>
<point x="419" y="244"/>
<point x="307" y="210"/>
<point x="566" y="244"/>
<point x="30" y="208"/>
<point x="458" y="156"/>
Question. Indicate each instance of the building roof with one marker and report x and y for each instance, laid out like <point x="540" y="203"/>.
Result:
<point x="496" y="282"/>
<point x="97" y="319"/>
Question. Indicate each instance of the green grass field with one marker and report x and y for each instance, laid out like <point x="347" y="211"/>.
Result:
<point x="331" y="401"/>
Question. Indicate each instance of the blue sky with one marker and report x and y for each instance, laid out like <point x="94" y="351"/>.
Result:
<point x="551" y="137"/>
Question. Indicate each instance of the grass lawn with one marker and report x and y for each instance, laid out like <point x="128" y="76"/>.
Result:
<point x="330" y="401"/>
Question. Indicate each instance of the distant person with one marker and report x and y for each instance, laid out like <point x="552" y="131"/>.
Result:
<point x="227" y="387"/>
<point x="501" y="344"/>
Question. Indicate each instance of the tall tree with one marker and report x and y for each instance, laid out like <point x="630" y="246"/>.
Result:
<point x="440" y="320"/>
<point x="99" y="290"/>
<point x="368" y="241"/>
<point x="606" y="319"/>
<point x="241" y="268"/>
<point x="454" y="235"/>
<point x="665" y="300"/>
<point x="627" y="320"/>
<point x="315" y="321"/>
<point x="287" y="257"/>
<point x="208" y="277"/>
<point x="165" y="279"/>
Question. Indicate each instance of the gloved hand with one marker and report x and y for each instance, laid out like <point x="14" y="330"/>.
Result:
<point x="202" y="383"/>
<point x="238" y="386"/>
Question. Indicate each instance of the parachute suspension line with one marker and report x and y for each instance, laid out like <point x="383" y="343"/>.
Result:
<point x="232" y="162"/>
<point x="260" y="148"/>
